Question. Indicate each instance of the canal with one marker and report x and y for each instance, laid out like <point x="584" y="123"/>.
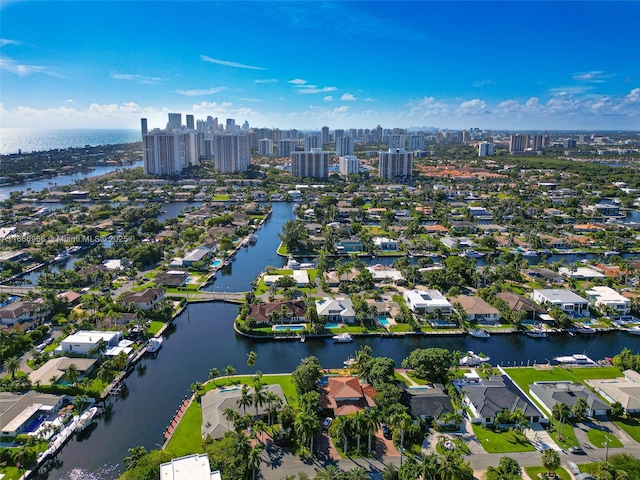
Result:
<point x="204" y="338"/>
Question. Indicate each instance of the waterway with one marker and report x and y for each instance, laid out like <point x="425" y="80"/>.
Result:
<point x="204" y="338"/>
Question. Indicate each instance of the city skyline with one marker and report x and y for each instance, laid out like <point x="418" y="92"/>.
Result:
<point x="494" y="65"/>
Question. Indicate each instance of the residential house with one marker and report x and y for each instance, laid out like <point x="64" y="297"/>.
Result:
<point x="349" y="245"/>
<point x="487" y="398"/>
<point x="478" y="310"/>
<point x="429" y="404"/>
<point x="146" y="299"/>
<point x="580" y="273"/>
<point x="335" y="310"/>
<point x="427" y="301"/>
<point x="385" y="244"/>
<point x="459" y="242"/>
<point x="518" y="303"/>
<point x="346" y="395"/>
<point x="383" y="273"/>
<point x="292" y="311"/>
<point x="191" y="467"/>
<point x="333" y="279"/>
<point x="21" y="311"/>
<point x="550" y="393"/>
<point x="459" y="227"/>
<point x="198" y="254"/>
<point x="19" y="410"/>
<point x="566" y="300"/>
<point x="607" y="297"/>
<point x="83" y="341"/>
<point x="56" y="367"/>
<point x="625" y="390"/>
<point x="300" y="277"/>
<point x="171" y="278"/>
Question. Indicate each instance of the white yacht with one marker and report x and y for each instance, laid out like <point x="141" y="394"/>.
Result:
<point x="479" y="333"/>
<point x="473" y="360"/>
<point x="154" y="344"/>
<point x="472" y="254"/>
<point x="86" y="418"/>
<point x="342" y="338"/>
<point x="536" y="333"/>
<point x="586" y="330"/>
<point x="577" y="359"/>
<point x="634" y="330"/>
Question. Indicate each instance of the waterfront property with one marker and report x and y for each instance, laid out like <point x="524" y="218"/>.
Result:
<point x="83" y="341"/>
<point x="427" y="301"/>
<point x="566" y="300"/>
<point x="550" y="393"/>
<point x="191" y="467"/>
<point x="625" y="390"/>
<point x="278" y="311"/>
<point x="338" y="309"/>
<point x="478" y="310"/>
<point x="346" y="395"/>
<point x="430" y="404"/>
<point x="146" y="299"/>
<point x="607" y="297"/>
<point x="56" y="367"/>
<point x="24" y="412"/>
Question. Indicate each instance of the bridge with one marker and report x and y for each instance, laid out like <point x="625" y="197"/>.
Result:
<point x="15" y="290"/>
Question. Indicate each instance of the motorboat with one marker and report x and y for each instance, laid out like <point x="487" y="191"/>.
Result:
<point x="472" y="254"/>
<point x="86" y="418"/>
<point x="302" y="339"/>
<point x="62" y="257"/>
<point x="349" y="362"/>
<point x="586" y="330"/>
<point x="479" y="333"/>
<point x="611" y="253"/>
<point x="634" y="330"/>
<point x="473" y="360"/>
<point x="342" y="338"/>
<point x="252" y="238"/>
<point x="529" y="253"/>
<point x="154" y="344"/>
<point x="577" y="359"/>
<point x="293" y="264"/>
<point x="536" y="333"/>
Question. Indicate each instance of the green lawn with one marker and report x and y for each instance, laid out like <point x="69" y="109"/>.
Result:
<point x="155" y="327"/>
<point x="534" y="471"/>
<point x="526" y="376"/>
<point x="568" y="435"/>
<point x="11" y="473"/>
<point x="598" y="437"/>
<point x="505" y="442"/>
<point x="419" y="381"/>
<point x="631" y="425"/>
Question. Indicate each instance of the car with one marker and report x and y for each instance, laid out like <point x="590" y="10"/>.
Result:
<point x="577" y="450"/>
<point x="326" y="422"/>
<point x="386" y="433"/>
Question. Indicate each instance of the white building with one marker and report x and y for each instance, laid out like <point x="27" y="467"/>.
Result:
<point x="566" y="300"/>
<point x="314" y="164"/>
<point x="231" y="152"/>
<point x="385" y="244"/>
<point x="427" y="301"/>
<point x="265" y="147"/>
<point x="395" y="164"/>
<point x="84" y="340"/>
<point x="416" y="143"/>
<point x="285" y="147"/>
<point x="168" y="152"/>
<point x="485" y="149"/>
<point x="338" y="310"/>
<point x="608" y="297"/>
<point x="344" y="146"/>
<point x="191" y="467"/>
<point x="348" y="165"/>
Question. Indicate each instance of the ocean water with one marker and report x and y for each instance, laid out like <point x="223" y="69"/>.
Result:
<point x="28" y="140"/>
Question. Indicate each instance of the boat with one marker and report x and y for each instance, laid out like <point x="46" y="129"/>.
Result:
<point x="342" y="338"/>
<point x="529" y="253"/>
<point x="611" y="253"/>
<point x="479" y="333"/>
<point x="252" y="238"/>
<point x="86" y="418"/>
<point x="472" y="254"/>
<point x="62" y="257"/>
<point x="634" y="330"/>
<point x="302" y="339"/>
<point x="473" y="360"/>
<point x="349" y="362"/>
<point x="577" y="359"/>
<point x="545" y="251"/>
<point x="536" y="333"/>
<point x="586" y="330"/>
<point x="154" y="344"/>
<point x="293" y="264"/>
<point x="244" y="243"/>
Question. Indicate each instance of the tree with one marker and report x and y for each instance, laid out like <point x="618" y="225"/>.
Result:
<point x="148" y="466"/>
<point x="550" y="460"/>
<point x="617" y="410"/>
<point x="12" y="365"/>
<point x="580" y="409"/>
<point x="306" y="375"/>
<point x="402" y="422"/>
<point x="245" y="399"/>
<point x="255" y="458"/>
<point x="251" y="358"/>
<point x="214" y="373"/>
<point x="294" y="233"/>
<point x="452" y="467"/>
<point x="229" y="370"/>
<point x="135" y="454"/>
<point x="508" y="469"/>
<point x="560" y="412"/>
<point x="259" y="396"/>
<point x="432" y="364"/>
<point x="273" y="403"/>
<point x="71" y="374"/>
<point x="381" y="370"/>
<point x="197" y="389"/>
<point x="371" y="424"/>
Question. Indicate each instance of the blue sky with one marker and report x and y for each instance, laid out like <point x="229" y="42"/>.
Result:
<point x="506" y="65"/>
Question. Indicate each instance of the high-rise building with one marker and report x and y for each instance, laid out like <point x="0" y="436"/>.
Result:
<point x="325" y="135"/>
<point x="144" y="126"/>
<point x="344" y="146"/>
<point x="168" y="152"/>
<point x="518" y="142"/>
<point x="569" y="143"/>
<point x="314" y="164"/>
<point x="265" y="146"/>
<point x="536" y="143"/>
<point x="395" y="164"/>
<point x="338" y="133"/>
<point x="285" y="147"/>
<point x="175" y="121"/>
<point x="485" y="149"/>
<point x="231" y="152"/>
<point x="311" y="141"/>
<point x="231" y="125"/>
<point x="397" y="141"/>
<point x="190" y="122"/>
<point x="416" y="142"/>
<point x="245" y="126"/>
<point x="348" y="164"/>
<point x="465" y="136"/>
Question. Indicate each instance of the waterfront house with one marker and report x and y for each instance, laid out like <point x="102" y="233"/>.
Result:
<point x="384" y="273"/>
<point x="346" y="395"/>
<point x="333" y="279"/>
<point x="518" y="303"/>
<point x="487" y="398"/>
<point x="477" y="310"/>
<point x="146" y="299"/>
<point x="429" y="404"/>
<point x="602" y="296"/>
<point x="335" y="310"/>
<point x="215" y="402"/>
<point x="625" y="390"/>
<point x="56" y="367"/>
<point x="171" y="278"/>
<point x="198" y="254"/>
<point x="83" y="341"/>
<point x="25" y="412"/>
<point x="580" y="273"/>
<point x="427" y="301"/>
<point x="550" y="393"/>
<point x="291" y="311"/>
<point x="566" y="300"/>
<point x="349" y="245"/>
<point x="457" y="242"/>
<point x="385" y="244"/>
<point x="191" y="467"/>
<point x="21" y="312"/>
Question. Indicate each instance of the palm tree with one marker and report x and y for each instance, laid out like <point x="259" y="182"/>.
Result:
<point x="561" y="412"/>
<point x="72" y="373"/>
<point x="251" y="358"/>
<point x="402" y="421"/>
<point x="357" y="473"/>
<point x="550" y="460"/>
<point x="245" y="399"/>
<point x="330" y="472"/>
<point x="520" y="419"/>
<point x="197" y="389"/>
<point x="429" y="467"/>
<point x="259" y="396"/>
<point x="229" y="370"/>
<point x="580" y="409"/>
<point x="135" y="454"/>
<point x="12" y="365"/>
<point x="449" y="467"/>
<point x="359" y="424"/>
<point x="231" y="415"/>
<point x="341" y="427"/>
<point x="214" y="373"/>
<point x="254" y="459"/>
<point x="372" y="422"/>
<point x="273" y="403"/>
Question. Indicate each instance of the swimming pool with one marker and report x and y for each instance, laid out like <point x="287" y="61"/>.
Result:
<point x="35" y="424"/>
<point x="332" y="325"/>
<point x="384" y="321"/>
<point x="216" y="263"/>
<point x="293" y="328"/>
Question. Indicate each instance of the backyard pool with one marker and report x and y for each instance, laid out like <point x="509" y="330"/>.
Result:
<point x="293" y="328"/>
<point x="35" y="424"/>
<point x="216" y="263"/>
<point x="332" y="325"/>
<point x="383" y="321"/>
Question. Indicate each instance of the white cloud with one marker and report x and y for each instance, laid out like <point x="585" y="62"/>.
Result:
<point x="225" y="63"/>
<point x="482" y="83"/>
<point x="370" y="99"/>
<point x="341" y="109"/>
<point x="206" y="91"/>
<point x="6" y="41"/>
<point x="131" y="77"/>
<point x="298" y="81"/>
<point x="328" y="98"/>
<point x="22" y="70"/>
<point x="69" y="100"/>
<point x="265" y="80"/>
<point x="472" y="107"/>
<point x="595" y="76"/>
<point x="311" y="89"/>
<point x="573" y="90"/>
<point x="347" y="97"/>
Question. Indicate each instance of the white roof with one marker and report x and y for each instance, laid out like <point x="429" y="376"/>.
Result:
<point x="91" y="337"/>
<point x="560" y="296"/>
<point x="192" y="467"/>
<point x="426" y="298"/>
<point x="606" y="294"/>
<point x="581" y="272"/>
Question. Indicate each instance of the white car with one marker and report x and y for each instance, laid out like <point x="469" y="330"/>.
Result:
<point x="326" y="422"/>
